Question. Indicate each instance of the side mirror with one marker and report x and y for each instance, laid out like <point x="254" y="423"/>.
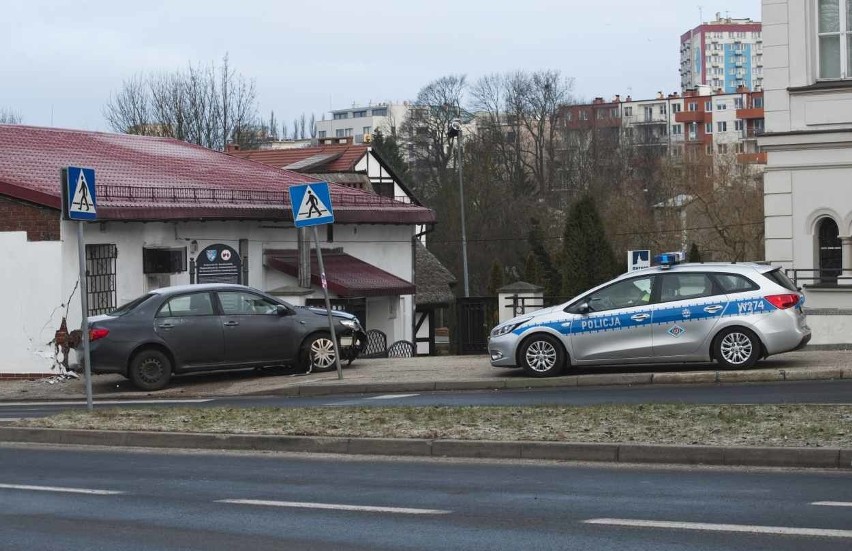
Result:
<point x="282" y="310"/>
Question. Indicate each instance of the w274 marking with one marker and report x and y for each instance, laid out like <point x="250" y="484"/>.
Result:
<point x="751" y="307"/>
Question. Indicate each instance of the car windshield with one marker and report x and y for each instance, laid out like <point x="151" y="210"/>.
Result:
<point x="130" y="306"/>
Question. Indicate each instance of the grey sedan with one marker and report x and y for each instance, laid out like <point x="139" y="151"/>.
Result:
<point x="196" y="328"/>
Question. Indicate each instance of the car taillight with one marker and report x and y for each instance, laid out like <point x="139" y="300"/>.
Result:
<point x="97" y="333"/>
<point x="783" y="302"/>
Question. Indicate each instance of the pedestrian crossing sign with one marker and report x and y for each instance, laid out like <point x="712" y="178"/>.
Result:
<point x="311" y="204"/>
<point x="80" y="195"/>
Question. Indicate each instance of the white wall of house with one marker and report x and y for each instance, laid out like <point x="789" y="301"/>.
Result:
<point x="32" y="299"/>
<point x="809" y="144"/>
<point x="386" y="247"/>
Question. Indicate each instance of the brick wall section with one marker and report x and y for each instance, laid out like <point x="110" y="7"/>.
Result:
<point x="40" y="223"/>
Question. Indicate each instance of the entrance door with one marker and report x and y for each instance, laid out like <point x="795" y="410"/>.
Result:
<point x="830" y="251"/>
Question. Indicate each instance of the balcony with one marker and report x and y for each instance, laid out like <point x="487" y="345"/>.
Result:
<point x="750" y="113"/>
<point x="693" y="116"/>
<point x="752" y="158"/>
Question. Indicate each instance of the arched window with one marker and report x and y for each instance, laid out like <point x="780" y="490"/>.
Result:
<point x="830" y="251"/>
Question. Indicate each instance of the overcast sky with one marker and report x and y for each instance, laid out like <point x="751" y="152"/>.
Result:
<point x="62" y="59"/>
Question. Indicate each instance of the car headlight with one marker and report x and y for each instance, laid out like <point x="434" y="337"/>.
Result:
<point x="509" y="327"/>
<point x="350" y="324"/>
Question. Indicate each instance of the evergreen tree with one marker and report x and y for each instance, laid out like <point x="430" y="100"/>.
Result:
<point x="388" y="149"/>
<point x="588" y="259"/>
<point x="495" y="280"/>
<point x="548" y="276"/>
<point x="694" y="255"/>
<point x="531" y="272"/>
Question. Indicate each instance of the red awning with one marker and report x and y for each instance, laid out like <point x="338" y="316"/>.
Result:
<point x="347" y="276"/>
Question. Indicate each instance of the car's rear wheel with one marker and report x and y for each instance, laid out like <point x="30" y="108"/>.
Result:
<point x="736" y="348"/>
<point x="542" y="356"/>
<point x="318" y="353"/>
<point x="150" y="369"/>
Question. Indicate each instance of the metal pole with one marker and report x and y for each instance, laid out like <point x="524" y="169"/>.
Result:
<point x="328" y="305"/>
<point x="84" y="304"/>
<point x="463" y="230"/>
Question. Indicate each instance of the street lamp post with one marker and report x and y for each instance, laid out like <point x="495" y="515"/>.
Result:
<point x="455" y="131"/>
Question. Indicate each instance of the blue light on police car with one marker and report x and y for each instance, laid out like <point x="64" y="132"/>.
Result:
<point x="667" y="260"/>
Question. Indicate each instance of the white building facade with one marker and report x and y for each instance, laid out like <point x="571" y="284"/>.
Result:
<point x="808" y="139"/>
<point x="361" y="122"/>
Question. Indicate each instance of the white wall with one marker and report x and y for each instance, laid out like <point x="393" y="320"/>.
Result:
<point x="32" y="297"/>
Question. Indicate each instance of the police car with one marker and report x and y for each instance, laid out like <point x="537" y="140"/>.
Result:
<point x="734" y="313"/>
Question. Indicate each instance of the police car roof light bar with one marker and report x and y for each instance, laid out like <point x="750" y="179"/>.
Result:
<point x="667" y="260"/>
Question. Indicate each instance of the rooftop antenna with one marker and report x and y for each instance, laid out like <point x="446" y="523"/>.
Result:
<point x="700" y="15"/>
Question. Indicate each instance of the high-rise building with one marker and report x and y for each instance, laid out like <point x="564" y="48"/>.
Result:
<point x="723" y="54"/>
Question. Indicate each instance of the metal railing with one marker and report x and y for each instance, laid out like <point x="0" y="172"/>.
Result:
<point x="199" y="195"/>
<point x="816" y="277"/>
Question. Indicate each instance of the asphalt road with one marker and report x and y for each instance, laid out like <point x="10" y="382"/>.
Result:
<point x="823" y="392"/>
<point x="91" y="499"/>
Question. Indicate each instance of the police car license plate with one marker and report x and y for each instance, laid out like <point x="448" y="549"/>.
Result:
<point x="345" y="341"/>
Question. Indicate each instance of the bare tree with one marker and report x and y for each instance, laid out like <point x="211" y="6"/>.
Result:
<point x="312" y="126"/>
<point x="273" y="126"/>
<point x="296" y="128"/>
<point x="285" y="134"/>
<point x="202" y="104"/>
<point x="8" y="116"/>
<point x="302" y="126"/>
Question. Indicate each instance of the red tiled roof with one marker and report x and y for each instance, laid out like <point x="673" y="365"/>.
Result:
<point x="343" y="157"/>
<point x="148" y="178"/>
<point x="347" y="276"/>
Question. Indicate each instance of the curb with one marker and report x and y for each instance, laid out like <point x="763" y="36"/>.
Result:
<point x="816" y="458"/>
<point x="567" y="381"/>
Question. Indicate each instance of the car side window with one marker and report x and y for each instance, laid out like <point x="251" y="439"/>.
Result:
<point x="238" y="303"/>
<point x="735" y="283"/>
<point x="624" y="294"/>
<point x="197" y="304"/>
<point x="685" y="286"/>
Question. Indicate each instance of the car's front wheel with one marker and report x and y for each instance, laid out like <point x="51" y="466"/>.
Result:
<point x="736" y="348"/>
<point x="318" y="353"/>
<point x="150" y="369"/>
<point x="542" y="356"/>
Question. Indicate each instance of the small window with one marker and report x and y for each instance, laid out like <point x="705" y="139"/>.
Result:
<point x="130" y="306"/>
<point x="624" y="294"/>
<point x="735" y="283"/>
<point x="675" y="108"/>
<point x="241" y="303"/>
<point x="685" y="286"/>
<point x="383" y="112"/>
<point x="197" y="304"/>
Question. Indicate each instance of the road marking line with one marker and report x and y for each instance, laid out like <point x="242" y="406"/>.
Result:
<point x="778" y="530"/>
<point x="57" y="489"/>
<point x="104" y="402"/>
<point x="391" y="396"/>
<point x="833" y="503"/>
<point x="335" y="506"/>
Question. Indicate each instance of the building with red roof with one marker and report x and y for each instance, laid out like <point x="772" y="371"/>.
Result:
<point x="160" y="203"/>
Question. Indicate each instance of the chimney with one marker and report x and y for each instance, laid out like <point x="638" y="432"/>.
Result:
<point x="616" y="99"/>
<point x="628" y="98"/>
<point x="598" y="101"/>
<point x="660" y="95"/>
<point x="230" y="147"/>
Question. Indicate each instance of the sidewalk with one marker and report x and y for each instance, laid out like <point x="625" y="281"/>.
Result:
<point x="433" y="373"/>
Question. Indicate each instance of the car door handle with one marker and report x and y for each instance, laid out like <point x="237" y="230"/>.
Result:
<point x="165" y="325"/>
<point x="231" y="323"/>
<point x="713" y="309"/>
<point x="640" y="317"/>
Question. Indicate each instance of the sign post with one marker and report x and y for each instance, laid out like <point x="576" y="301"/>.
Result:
<point x="311" y="205"/>
<point x="80" y="204"/>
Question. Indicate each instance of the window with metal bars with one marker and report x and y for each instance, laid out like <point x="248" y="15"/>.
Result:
<point x="100" y="278"/>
